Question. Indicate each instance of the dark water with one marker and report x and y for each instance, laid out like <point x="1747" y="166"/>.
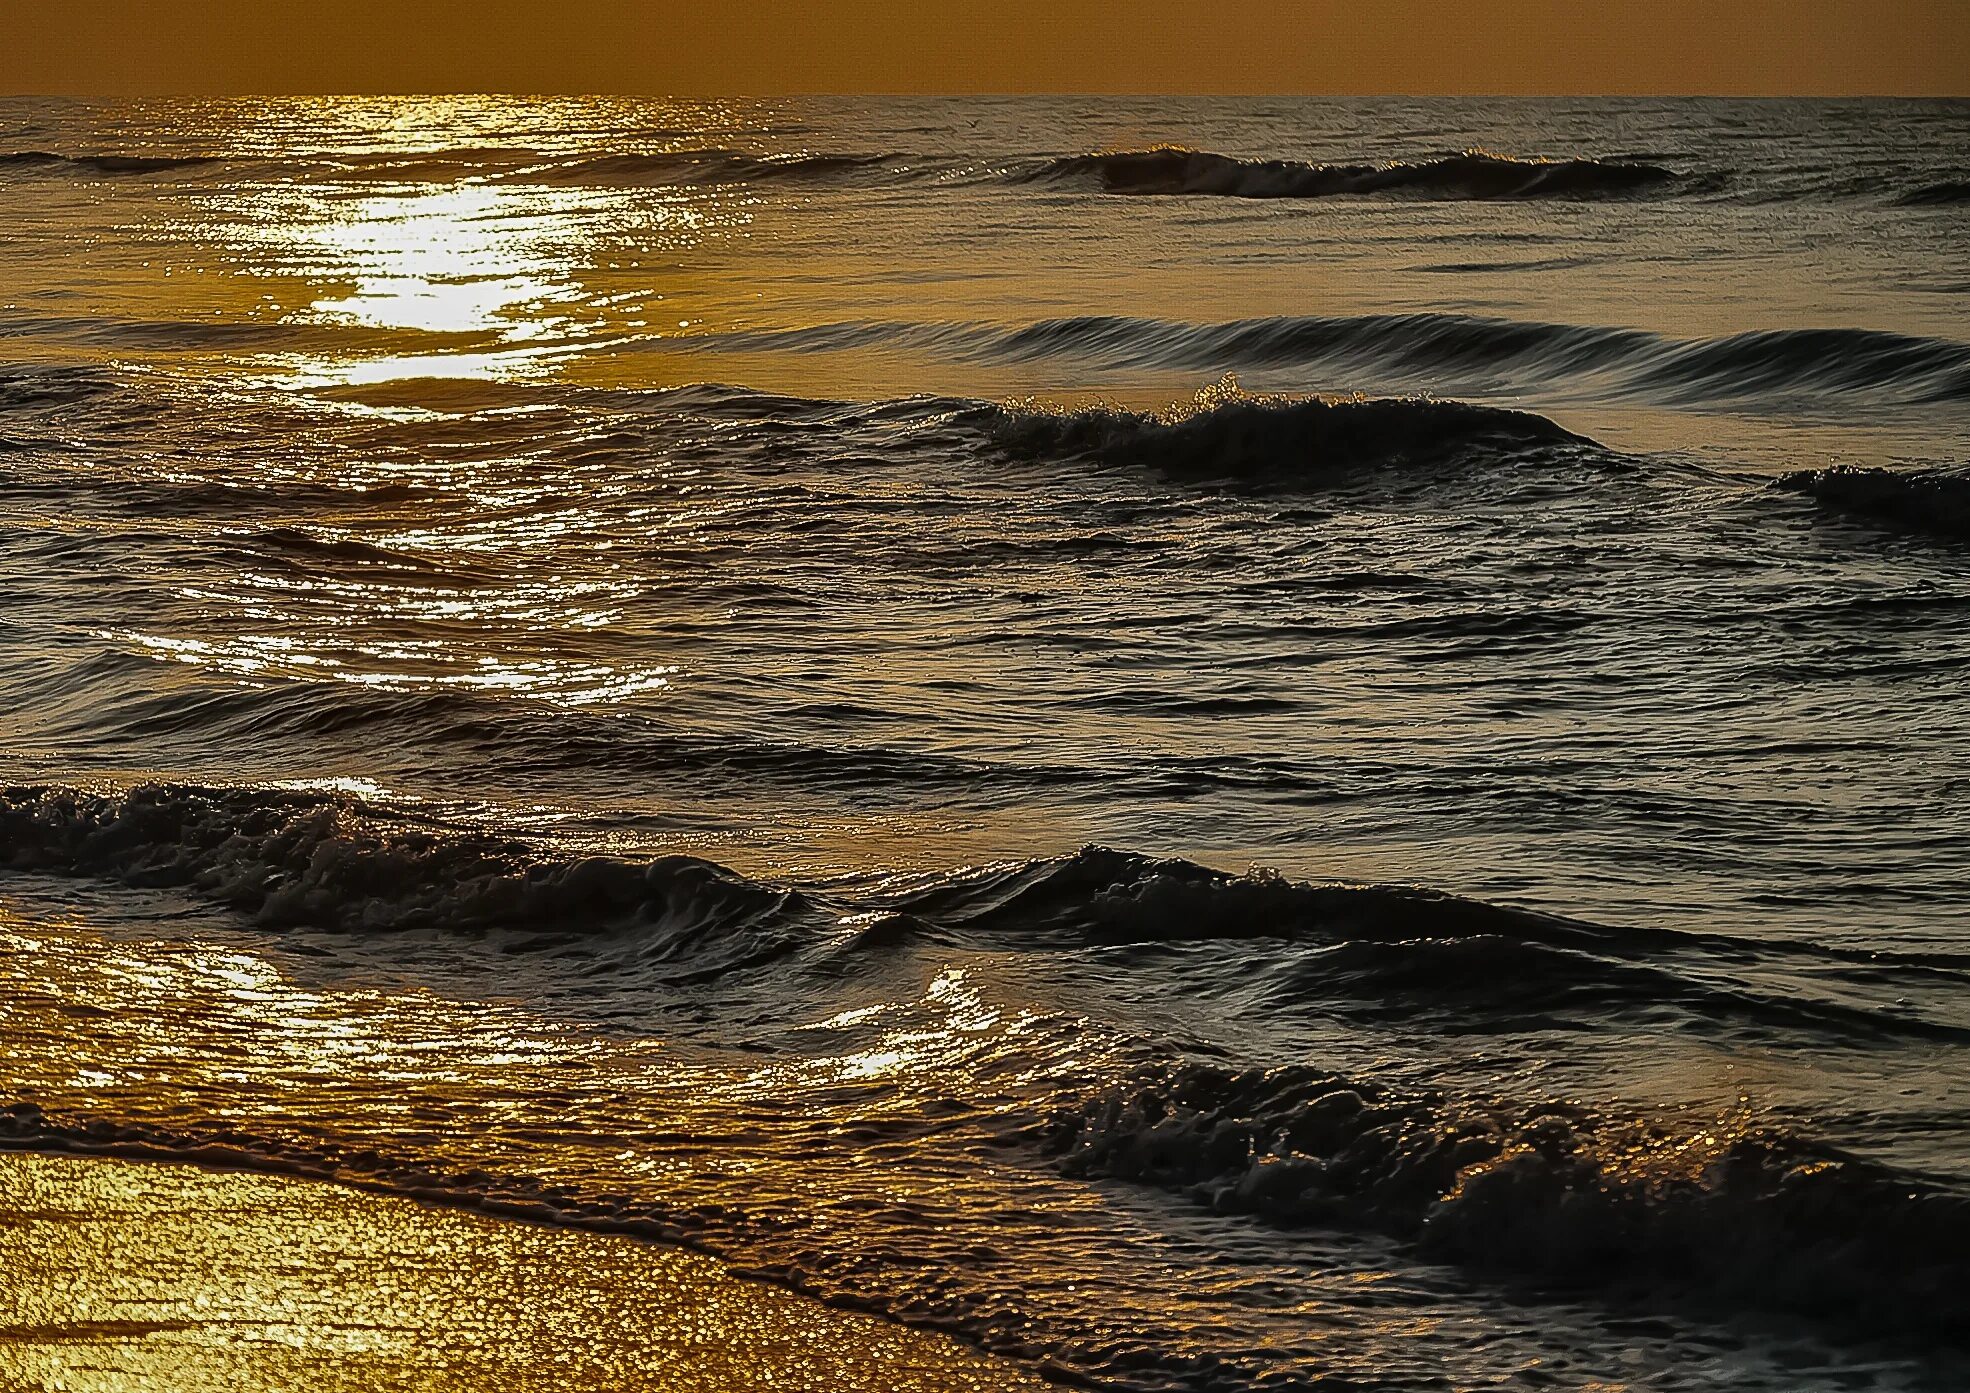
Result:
<point x="1330" y="759"/>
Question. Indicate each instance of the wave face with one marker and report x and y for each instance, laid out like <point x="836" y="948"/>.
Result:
<point x="1228" y="433"/>
<point x="102" y="164"/>
<point x="1947" y="192"/>
<point x="1560" y="1195"/>
<point x="318" y="860"/>
<point x="1778" y="365"/>
<point x="1935" y="500"/>
<point x="721" y="167"/>
<point x="1473" y="175"/>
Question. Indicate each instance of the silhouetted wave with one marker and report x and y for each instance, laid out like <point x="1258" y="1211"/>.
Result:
<point x="715" y="167"/>
<point x="1226" y="433"/>
<point x="1474" y="175"/>
<point x="1392" y="947"/>
<point x="103" y="164"/>
<point x="1732" y="1217"/>
<point x="321" y="861"/>
<point x="1863" y="361"/>
<point x="333" y="861"/>
<point x="1923" y="500"/>
<point x="1947" y="192"/>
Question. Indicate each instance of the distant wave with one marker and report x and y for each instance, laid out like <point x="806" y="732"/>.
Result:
<point x="715" y="167"/>
<point x="1474" y="175"/>
<point x="102" y="164"/>
<point x="1431" y="346"/>
<point x="1922" y="500"/>
<point x="1735" y="1217"/>
<point x="1227" y="433"/>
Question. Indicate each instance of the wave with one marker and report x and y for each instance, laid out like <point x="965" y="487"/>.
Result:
<point x="1716" y="1218"/>
<point x="1949" y="191"/>
<point x="103" y="164"/>
<point x="1225" y="432"/>
<point x="329" y="861"/>
<point x="1721" y="1219"/>
<point x="36" y="388"/>
<point x="1384" y="951"/>
<point x="332" y="861"/>
<point x="1430" y="346"/>
<point x="299" y="549"/>
<point x="1921" y="500"/>
<point x="1733" y="1216"/>
<point x="1472" y="175"/>
<point x="716" y="167"/>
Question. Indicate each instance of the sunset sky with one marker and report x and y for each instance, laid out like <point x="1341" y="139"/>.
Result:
<point x="111" y="47"/>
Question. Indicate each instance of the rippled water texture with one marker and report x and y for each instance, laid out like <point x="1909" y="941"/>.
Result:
<point x="1219" y="745"/>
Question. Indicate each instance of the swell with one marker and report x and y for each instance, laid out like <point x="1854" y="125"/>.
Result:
<point x="328" y="861"/>
<point x="425" y="730"/>
<point x="1919" y="500"/>
<point x="723" y="167"/>
<point x="332" y="861"/>
<point x="1427" y="346"/>
<point x="1227" y="433"/>
<point x="312" y="553"/>
<point x="1726" y="1218"/>
<point x="1383" y="951"/>
<point x="102" y="164"/>
<point x="1472" y="175"/>
<point x="1947" y="192"/>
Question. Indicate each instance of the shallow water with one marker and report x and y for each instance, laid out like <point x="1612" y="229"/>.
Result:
<point x="585" y="655"/>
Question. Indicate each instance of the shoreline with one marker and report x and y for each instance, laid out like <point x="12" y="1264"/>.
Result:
<point x="171" y="1276"/>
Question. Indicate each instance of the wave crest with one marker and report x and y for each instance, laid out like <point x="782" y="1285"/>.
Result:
<point x="1947" y="192"/>
<point x="1226" y="432"/>
<point x="712" y="167"/>
<point x="1922" y="500"/>
<point x="1472" y="175"/>
<point x="102" y="164"/>
<point x="327" y="860"/>
<point x="1734" y="1214"/>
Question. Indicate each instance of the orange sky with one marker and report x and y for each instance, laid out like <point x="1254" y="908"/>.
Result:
<point x="112" y="47"/>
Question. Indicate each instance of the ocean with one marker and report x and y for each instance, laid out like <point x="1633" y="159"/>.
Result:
<point x="1216" y="744"/>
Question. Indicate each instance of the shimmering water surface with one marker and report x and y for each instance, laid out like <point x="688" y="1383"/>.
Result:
<point x="1220" y="745"/>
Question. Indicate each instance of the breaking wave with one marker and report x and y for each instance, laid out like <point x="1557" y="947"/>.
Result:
<point x="326" y="861"/>
<point x="1720" y="1217"/>
<point x="1922" y="500"/>
<point x="1225" y="432"/>
<point x="1730" y="1215"/>
<point x="1473" y="175"/>
<point x="331" y="861"/>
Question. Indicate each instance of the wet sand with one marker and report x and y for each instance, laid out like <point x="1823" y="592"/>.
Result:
<point x="116" y="1275"/>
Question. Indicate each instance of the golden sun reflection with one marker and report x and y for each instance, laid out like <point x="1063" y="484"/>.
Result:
<point x="450" y="261"/>
<point x="512" y="275"/>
